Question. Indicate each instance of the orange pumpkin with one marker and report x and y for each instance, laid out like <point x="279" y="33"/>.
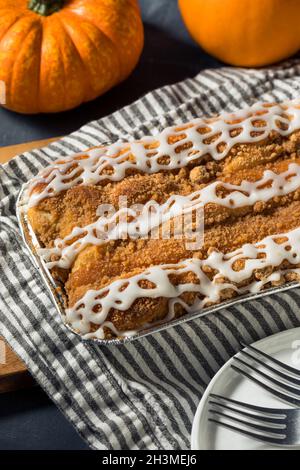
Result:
<point x="57" y="54"/>
<point x="247" y="33"/>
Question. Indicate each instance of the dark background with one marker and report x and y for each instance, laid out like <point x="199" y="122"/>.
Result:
<point x="28" y="419"/>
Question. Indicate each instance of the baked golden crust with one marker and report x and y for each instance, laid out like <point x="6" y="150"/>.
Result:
<point x="226" y="229"/>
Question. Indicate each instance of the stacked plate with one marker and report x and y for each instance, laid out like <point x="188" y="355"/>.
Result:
<point x="228" y="383"/>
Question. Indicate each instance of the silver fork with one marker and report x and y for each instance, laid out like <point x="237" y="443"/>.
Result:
<point x="281" y="380"/>
<point x="270" y="425"/>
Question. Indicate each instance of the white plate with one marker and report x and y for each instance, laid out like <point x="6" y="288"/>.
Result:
<point x="284" y="346"/>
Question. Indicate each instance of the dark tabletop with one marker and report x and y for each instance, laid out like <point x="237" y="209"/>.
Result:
<point x="28" y="419"/>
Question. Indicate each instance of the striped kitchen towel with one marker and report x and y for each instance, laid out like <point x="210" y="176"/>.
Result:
<point x="142" y="395"/>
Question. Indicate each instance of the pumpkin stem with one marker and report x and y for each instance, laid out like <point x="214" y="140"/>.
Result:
<point x="45" y="7"/>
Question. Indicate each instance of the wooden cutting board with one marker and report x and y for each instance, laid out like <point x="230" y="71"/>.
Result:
<point x="13" y="372"/>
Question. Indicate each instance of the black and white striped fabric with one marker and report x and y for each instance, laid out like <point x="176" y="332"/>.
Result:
<point x="142" y="395"/>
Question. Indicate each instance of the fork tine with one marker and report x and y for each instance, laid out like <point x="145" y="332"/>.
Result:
<point x="256" y="426"/>
<point x="269" y="440"/>
<point x="282" y="396"/>
<point x="260" y="409"/>
<point x="283" y="375"/>
<point x="285" y="367"/>
<point x="283" y="386"/>
<point x="278" y="420"/>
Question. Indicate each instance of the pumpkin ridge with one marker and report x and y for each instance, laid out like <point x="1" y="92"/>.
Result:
<point x="78" y="54"/>
<point x="9" y="80"/>
<point x="40" y="69"/>
<point x="82" y="81"/>
<point x="90" y="20"/>
<point x="23" y="46"/>
<point x="106" y="35"/>
<point x="64" y="69"/>
<point x="117" y="67"/>
<point x="20" y="16"/>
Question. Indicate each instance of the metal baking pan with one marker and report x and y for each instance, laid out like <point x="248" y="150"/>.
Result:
<point x="56" y="291"/>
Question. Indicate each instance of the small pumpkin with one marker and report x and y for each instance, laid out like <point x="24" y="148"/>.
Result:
<point x="57" y="54"/>
<point x="247" y="33"/>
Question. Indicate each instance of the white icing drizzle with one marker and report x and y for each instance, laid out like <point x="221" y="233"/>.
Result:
<point x="154" y="215"/>
<point x="272" y="251"/>
<point x="218" y="136"/>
